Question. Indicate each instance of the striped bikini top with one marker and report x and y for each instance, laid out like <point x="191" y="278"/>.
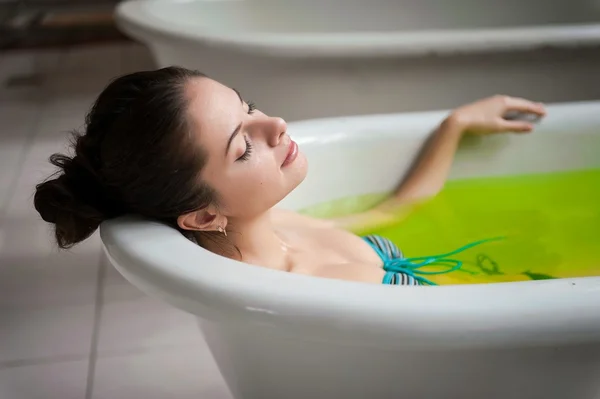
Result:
<point x="401" y="270"/>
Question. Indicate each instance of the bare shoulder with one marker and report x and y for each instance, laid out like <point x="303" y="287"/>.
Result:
<point x="284" y="217"/>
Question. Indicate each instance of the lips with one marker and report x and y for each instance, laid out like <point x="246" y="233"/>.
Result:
<point x="291" y="154"/>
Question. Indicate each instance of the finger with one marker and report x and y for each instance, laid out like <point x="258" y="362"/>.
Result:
<point x="514" y="115"/>
<point x="523" y="105"/>
<point x="516" y="126"/>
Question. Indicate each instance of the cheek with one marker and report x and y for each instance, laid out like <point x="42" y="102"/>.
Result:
<point x="257" y="189"/>
<point x="260" y="180"/>
<point x="249" y="188"/>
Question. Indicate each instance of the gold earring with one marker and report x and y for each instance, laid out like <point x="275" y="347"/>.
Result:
<point x="222" y="231"/>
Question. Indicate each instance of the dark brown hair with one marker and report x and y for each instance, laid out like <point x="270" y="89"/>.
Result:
<point x="136" y="155"/>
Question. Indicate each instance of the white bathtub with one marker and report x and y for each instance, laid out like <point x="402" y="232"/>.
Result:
<point x="321" y="58"/>
<point x="280" y="335"/>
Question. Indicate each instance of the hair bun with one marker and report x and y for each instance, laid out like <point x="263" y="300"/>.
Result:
<point x="70" y="202"/>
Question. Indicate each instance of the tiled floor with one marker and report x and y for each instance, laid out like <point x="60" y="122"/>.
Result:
<point x="70" y="326"/>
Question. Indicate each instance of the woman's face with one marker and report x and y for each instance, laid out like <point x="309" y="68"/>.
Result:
<point x="252" y="162"/>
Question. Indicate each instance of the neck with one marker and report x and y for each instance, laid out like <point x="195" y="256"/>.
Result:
<point x="256" y="240"/>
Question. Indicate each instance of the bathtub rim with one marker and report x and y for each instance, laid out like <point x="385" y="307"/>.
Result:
<point x="133" y="18"/>
<point x="555" y="311"/>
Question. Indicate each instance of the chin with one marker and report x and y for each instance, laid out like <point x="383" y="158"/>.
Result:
<point x="296" y="172"/>
<point x="300" y="168"/>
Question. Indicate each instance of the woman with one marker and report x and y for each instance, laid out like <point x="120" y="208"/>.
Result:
<point x="178" y="147"/>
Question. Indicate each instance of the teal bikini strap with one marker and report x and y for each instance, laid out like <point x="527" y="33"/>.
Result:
<point x="412" y="266"/>
<point x="388" y="278"/>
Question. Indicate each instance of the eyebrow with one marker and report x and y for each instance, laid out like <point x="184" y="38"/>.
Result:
<point x="239" y="95"/>
<point x="237" y="129"/>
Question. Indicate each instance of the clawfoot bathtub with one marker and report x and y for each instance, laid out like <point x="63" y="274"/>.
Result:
<point x="322" y="58"/>
<point x="279" y="335"/>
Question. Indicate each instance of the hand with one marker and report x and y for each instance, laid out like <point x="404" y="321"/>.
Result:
<point x="487" y="115"/>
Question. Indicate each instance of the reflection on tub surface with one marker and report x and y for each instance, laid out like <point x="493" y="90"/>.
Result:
<point x="550" y="224"/>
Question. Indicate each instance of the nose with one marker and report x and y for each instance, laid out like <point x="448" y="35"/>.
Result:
<point x="271" y="128"/>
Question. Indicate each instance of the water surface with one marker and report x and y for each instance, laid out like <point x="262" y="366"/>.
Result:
<point x="550" y="224"/>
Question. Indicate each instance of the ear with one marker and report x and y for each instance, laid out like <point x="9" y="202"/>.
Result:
<point x="201" y="220"/>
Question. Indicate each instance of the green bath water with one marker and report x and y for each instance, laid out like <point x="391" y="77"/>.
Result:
<point x="550" y="224"/>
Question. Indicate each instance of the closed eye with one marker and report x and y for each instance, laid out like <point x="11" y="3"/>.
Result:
<point x="246" y="154"/>
<point x="251" y="107"/>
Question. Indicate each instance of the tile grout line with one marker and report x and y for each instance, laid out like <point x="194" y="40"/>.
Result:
<point x="41" y="360"/>
<point x="99" y="302"/>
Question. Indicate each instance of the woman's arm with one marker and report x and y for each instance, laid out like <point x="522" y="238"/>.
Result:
<point x="430" y="171"/>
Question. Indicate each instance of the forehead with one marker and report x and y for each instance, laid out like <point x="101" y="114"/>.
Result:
<point x="213" y="108"/>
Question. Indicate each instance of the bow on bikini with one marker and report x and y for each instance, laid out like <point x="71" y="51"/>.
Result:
<point x="412" y="266"/>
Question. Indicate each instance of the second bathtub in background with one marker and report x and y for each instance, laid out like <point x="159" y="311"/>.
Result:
<point x="310" y="59"/>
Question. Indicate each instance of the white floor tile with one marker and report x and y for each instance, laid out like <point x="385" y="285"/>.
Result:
<point x="132" y="320"/>
<point x="17" y="124"/>
<point x="41" y="282"/>
<point x="22" y="92"/>
<point x="17" y="62"/>
<point x="72" y="94"/>
<point x="48" y="297"/>
<point x="36" y="169"/>
<point x="58" y="124"/>
<point x="29" y="62"/>
<point x="12" y="152"/>
<point x="64" y="380"/>
<point x="183" y="373"/>
<point x="137" y="57"/>
<point x="18" y="118"/>
<point x="45" y="332"/>
<point x="35" y="275"/>
<point x="23" y="73"/>
<point x="49" y="61"/>
<point x="93" y="58"/>
<point x="30" y="237"/>
<point x="70" y="110"/>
